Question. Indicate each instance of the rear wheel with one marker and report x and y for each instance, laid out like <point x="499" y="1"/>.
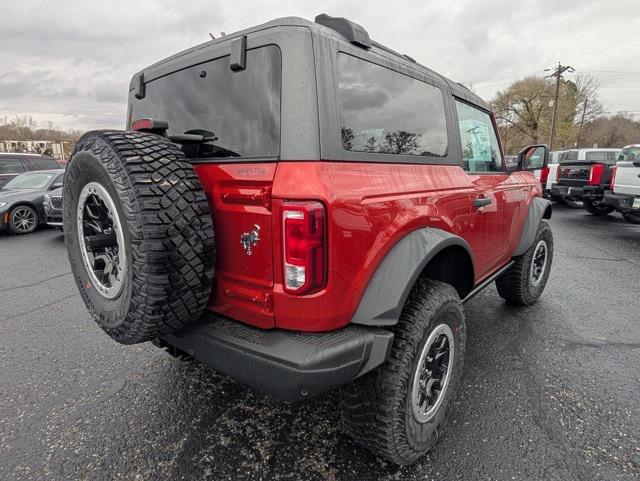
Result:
<point x="139" y="234"/>
<point x="525" y="281"/>
<point x="400" y="410"/>
<point x="23" y="220"/>
<point x="631" y="217"/>
<point x="597" y="207"/>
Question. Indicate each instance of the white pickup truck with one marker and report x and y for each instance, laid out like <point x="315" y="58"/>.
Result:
<point x="625" y="184"/>
<point x="549" y="176"/>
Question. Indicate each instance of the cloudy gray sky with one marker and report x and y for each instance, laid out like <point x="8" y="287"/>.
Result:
<point x="70" y="62"/>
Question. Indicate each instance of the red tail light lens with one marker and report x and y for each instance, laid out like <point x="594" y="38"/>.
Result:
<point x="142" y="124"/>
<point x="595" y="175"/>
<point x="614" y="171"/>
<point x="557" y="173"/>
<point x="544" y="175"/>
<point x="304" y="242"/>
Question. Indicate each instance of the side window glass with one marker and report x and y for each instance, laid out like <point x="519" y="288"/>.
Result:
<point x="11" y="166"/>
<point x="480" y="147"/>
<point x="386" y="112"/>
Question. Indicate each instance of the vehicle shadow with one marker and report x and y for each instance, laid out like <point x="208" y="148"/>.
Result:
<point x="176" y="419"/>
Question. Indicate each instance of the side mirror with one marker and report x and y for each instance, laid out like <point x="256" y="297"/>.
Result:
<point x="533" y="157"/>
<point x="55" y="186"/>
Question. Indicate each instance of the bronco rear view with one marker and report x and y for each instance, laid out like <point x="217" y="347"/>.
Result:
<point x="304" y="209"/>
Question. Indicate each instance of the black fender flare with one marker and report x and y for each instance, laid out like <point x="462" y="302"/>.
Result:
<point x="539" y="209"/>
<point x="388" y="289"/>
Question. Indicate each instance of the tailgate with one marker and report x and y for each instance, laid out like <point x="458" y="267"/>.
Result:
<point x="240" y="200"/>
<point x="627" y="180"/>
<point x="574" y="174"/>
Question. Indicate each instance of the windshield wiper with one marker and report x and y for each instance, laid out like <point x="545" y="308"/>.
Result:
<point x="212" y="150"/>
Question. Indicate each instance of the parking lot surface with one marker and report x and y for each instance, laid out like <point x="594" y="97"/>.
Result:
<point x="551" y="392"/>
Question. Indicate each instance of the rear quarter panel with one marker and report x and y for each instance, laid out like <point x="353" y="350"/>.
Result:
<point x="370" y="208"/>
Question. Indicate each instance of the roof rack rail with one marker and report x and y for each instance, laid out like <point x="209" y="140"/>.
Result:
<point x="353" y="32"/>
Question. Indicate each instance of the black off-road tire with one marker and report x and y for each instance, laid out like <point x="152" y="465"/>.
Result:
<point x="515" y="286"/>
<point x="598" y="208"/>
<point x="377" y="408"/>
<point x="632" y="218"/>
<point x="167" y="227"/>
<point x="558" y="199"/>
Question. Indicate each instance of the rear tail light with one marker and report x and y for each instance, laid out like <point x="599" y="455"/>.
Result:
<point x="304" y="244"/>
<point x="544" y="175"/>
<point x="150" y="125"/>
<point x="558" y="174"/>
<point x="595" y="174"/>
<point x="614" y="171"/>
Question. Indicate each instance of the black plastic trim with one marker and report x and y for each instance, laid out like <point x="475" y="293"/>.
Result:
<point x="354" y="33"/>
<point x="538" y="209"/>
<point x="238" y="60"/>
<point x="284" y="364"/>
<point x="484" y="284"/>
<point x="622" y="202"/>
<point x="387" y="291"/>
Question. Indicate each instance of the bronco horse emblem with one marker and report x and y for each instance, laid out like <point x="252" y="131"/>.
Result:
<point x="249" y="239"/>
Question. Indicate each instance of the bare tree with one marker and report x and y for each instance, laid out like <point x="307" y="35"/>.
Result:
<point x="402" y="142"/>
<point x="616" y="131"/>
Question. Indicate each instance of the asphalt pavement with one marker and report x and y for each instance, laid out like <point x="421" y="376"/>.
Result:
<point x="551" y="392"/>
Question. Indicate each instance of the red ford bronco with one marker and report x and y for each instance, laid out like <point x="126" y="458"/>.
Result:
<point x="304" y="209"/>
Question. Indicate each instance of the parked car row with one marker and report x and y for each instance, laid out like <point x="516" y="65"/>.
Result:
<point x="30" y="192"/>
<point x="12" y="164"/>
<point x="599" y="180"/>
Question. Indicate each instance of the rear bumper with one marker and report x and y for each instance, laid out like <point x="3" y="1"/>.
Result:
<point x="284" y="364"/>
<point x="621" y="202"/>
<point x="578" y="193"/>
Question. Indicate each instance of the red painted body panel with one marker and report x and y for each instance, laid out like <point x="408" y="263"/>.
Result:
<point x="240" y="197"/>
<point x="370" y="207"/>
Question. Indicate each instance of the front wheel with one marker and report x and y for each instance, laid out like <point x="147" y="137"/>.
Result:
<point x="631" y="217"/>
<point x="524" y="282"/>
<point x="597" y="207"/>
<point x="400" y="410"/>
<point x="23" y="220"/>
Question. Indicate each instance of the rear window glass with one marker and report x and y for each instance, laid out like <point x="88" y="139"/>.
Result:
<point x="237" y="113"/>
<point x="630" y="154"/>
<point x="386" y="112"/>
<point x="568" y="156"/>
<point x="10" y="166"/>
<point x="601" y="156"/>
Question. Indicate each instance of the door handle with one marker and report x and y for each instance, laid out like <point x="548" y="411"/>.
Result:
<point x="481" y="202"/>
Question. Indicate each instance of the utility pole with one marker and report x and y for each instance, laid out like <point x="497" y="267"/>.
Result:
<point x="506" y="127"/>
<point x="584" y="112"/>
<point x="557" y="73"/>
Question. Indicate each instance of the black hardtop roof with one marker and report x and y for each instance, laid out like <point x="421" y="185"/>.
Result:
<point x="457" y="89"/>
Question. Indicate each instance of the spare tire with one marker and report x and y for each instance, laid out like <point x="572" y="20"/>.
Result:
<point x="139" y="234"/>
